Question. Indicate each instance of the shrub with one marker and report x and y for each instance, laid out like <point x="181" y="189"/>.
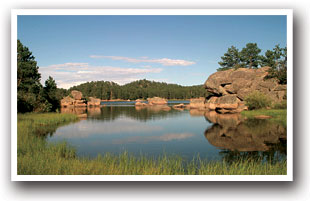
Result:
<point x="281" y="105"/>
<point x="257" y="100"/>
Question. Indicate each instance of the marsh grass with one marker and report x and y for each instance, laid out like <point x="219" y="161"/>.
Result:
<point x="37" y="157"/>
<point x="278" y="115"/>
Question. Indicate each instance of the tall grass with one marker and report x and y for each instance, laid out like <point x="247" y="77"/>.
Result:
<point x="37" y="157"/>
<point x="278" y="115"/>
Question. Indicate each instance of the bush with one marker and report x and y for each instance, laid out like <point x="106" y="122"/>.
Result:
<point x="281" y="105"/>
<point x="257" y="100"/>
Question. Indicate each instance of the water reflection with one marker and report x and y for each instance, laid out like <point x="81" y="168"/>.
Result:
<point x="147" y="139"/>
<point x="111" y="113"/>
<point x="151" y="129"/>
<point x="246" y="138"/>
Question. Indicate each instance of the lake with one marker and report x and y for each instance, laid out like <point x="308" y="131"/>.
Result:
<point x="157" y="130"/>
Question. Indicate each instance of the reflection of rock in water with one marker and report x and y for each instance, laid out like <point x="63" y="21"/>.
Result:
<point x="196" y="112"/>
<point x="153" y="108"/>
<point x="79" y="111"/>
<point x="225" y="120"/>
<point x="93" y="111"/>
<point x="74" y="110"/>
<point x="231" y="133"/>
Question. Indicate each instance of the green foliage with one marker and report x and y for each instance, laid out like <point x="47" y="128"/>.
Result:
<point x="278" y="115"/>
<point x="281" y="105"/>
<point x="277" y="60"/>
<point x="37" y="157"/>
<point x="250" y="56"/>
<point x="231" y="59"/>
<point x="31" y="95"/>
<point x="50" y="94"/>
<point x="257" y="100"/>
<point x="141" y="89"/>
<point x="28" y="80"/>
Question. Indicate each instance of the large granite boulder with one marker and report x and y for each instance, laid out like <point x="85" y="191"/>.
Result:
<point x="77" y="95"/>
<point x="197" y="103"/>
<point x="229" y="88"/>
<point x="76" y="101"/>
<point x="92" y="102"/>
<point x="243" y="81"/>
<point x="157" y="101"/>
<point x="67" y="102"/>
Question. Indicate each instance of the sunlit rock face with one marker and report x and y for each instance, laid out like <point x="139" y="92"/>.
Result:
<point x="197" y="103"/>
<point x="229" y="88"/>
<point x="93" y="102"/>
<point x="157" y="101"/>
<point x="233" y="133"/>
<point x="77" y="95"/>
<point x="76" y="101"/>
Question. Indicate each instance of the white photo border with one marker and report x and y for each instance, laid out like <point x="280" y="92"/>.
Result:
<point x="287" y="12"/>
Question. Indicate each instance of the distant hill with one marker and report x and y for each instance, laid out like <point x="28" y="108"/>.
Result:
<point x="140" y="89"/>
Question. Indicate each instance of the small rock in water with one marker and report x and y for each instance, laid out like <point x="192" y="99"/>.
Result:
<point x="262" y="117"/>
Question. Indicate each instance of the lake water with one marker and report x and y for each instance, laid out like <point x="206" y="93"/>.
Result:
<point x="154" y="130"/>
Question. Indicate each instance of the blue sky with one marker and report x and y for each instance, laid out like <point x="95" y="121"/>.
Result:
<point x="174" y="49"/>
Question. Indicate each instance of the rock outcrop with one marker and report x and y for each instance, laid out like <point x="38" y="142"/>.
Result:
<point x="157" y="101"/>
<point x="77" y="95"/>
<point x="67" y="102"/>
<point x="229" y="88"/>
<point x="76" y="101"/>
<point x="197" y="103"/>
<point x="93" y="102"/>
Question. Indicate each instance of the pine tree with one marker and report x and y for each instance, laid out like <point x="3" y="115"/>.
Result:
<point x="250" y="56"/>
<point x="28" y="80"/>
<point x="231" y="59"/>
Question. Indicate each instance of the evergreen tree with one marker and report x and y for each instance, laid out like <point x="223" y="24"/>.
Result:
<point x="231" y="59"/>
<point x="250" y="56"/>
<point x="28" y="80"/>
<point x="50" y="94"/>
<point x="277" y="60"/>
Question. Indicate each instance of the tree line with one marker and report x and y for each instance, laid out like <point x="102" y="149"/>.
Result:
<point x="250" y="57"/>
<point x="141" y="89"/>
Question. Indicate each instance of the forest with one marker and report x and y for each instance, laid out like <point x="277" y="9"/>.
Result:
<point x="141" y="89"/>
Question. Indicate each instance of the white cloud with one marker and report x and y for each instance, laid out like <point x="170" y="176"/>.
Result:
<point x="70" y="74"/>
<point x="86" y="129"/>
<point x="163" y="61"/>
<point x="146" y="139"/>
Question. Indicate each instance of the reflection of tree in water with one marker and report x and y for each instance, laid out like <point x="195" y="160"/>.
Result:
<point x="257" y="139"/>
<point x="138" y="113"/>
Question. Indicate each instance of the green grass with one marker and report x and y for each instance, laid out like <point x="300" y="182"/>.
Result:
<point x="37" y="157"/>
<point x="278" y="115"/>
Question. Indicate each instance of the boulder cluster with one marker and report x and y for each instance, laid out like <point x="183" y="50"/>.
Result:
<point x="229" y="89"/>
<point x="76" y="100"/>
<point x="152" y="101"/>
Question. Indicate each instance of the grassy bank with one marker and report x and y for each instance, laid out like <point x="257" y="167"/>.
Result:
<point x="37" y="157"/>
<point x="278" y="115"/>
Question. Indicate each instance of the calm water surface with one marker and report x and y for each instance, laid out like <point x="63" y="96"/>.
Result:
<point x="156" y="130"/>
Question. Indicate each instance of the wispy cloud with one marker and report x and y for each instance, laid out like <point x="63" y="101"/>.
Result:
<point x="146" y="139"/>
<point x="163" y="61"/>
<point x="70" y="74"/>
